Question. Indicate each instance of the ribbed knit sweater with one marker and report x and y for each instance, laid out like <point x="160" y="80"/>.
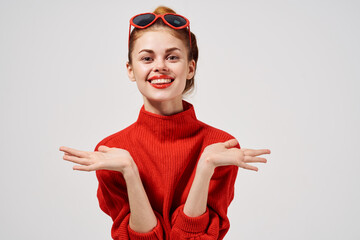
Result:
<point x="166" y="150"/>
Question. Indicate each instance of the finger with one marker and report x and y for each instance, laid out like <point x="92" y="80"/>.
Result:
<point x="256" y="152"/>
<point x="103" y="148"/>
<point x="92" y="167"/>
<point x="249" y="159"/>
<point x="231" y="143"/>
<point x="77" y="160"/>
<point x="65" y="153"/>
<point x="248" y="167"/>
<point x="73" y="151"/>
<point x="82" y="168"/>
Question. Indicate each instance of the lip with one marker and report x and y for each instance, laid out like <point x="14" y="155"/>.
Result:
<point x="160" y="77"/>
<point x="161" y="86"/>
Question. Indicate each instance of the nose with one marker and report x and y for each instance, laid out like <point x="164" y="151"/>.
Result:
<point x="160" y="66"/>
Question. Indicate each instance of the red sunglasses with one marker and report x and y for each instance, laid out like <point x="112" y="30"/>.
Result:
<point x="144" y="20"/>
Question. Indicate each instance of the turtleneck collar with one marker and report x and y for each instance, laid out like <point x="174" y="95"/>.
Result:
<point x="180" y="125"/>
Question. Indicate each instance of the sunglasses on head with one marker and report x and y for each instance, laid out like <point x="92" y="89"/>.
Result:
<point x="175" y="21"/>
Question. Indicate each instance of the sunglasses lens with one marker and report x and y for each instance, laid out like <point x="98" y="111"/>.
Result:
<point x="143" y="20"/>
<point x="175" y="21"/>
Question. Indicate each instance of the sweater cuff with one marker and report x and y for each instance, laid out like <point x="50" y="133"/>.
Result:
<point x="155" y="233"/>
<point x="192" y="224"/>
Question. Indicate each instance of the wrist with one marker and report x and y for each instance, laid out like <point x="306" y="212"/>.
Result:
<point x="205" y="168"/>
<point x="131" y="171"/>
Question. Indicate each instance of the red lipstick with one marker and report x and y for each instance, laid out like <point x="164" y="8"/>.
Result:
<point x="160" y="85"/>
<point x="160" y="77"/>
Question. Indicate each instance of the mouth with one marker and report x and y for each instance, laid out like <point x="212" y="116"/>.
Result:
<point x="161" y="81"/>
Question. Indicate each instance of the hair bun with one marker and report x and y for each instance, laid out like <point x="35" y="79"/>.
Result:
<point x="160" y="10"/>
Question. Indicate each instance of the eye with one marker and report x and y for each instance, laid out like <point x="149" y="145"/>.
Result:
<point x="146" y="59"/>
<point x="172" y="57"/>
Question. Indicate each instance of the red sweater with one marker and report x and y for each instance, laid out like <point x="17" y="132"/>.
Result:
<point x="166" y="150"/>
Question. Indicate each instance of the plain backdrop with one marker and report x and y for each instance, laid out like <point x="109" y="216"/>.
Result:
<point x="278" y="74"/>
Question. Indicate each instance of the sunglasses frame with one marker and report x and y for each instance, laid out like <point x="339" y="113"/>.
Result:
<point x="187" y="25"/>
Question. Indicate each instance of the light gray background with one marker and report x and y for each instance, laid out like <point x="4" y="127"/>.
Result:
<point x="279" y="74"/>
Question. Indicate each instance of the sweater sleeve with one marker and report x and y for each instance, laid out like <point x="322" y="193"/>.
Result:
<point x="113" y="200"/>
<point x="213" y="224"/>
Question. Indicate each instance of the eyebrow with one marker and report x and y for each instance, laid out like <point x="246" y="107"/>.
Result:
<point x="166" y="51"/>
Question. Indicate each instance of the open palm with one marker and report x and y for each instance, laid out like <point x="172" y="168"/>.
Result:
<point x="225" y="153"/>
<point x="115" y="159"/>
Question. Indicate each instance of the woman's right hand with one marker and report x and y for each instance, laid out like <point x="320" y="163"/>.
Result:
<point x="106" y="158"/>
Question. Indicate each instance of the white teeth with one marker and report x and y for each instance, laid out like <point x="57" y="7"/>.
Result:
<point x="155" y="81"/>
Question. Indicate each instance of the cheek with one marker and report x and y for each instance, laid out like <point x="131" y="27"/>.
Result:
<point x="141" y="71"/>
<point x="184" y="70"/>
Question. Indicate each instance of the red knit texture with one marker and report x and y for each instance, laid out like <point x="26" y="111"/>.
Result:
<point x="166" y="150"/>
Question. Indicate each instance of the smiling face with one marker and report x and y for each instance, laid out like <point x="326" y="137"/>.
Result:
<point x="160" y="67"/>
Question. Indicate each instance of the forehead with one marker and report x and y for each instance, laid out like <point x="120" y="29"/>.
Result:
<point x="159" y="39"/>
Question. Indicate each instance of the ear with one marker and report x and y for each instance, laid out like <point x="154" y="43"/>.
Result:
<point x="191" y="70"/>
<point x="130" y="72"/>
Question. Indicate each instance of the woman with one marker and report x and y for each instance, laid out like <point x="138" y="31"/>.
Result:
<point x="168" y="175"/>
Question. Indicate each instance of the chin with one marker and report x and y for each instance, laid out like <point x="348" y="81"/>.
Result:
<point x="164" y="98"/>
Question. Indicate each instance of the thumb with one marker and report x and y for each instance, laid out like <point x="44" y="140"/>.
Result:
<point x="103" y="148"/>
<point x="231" y="143"/>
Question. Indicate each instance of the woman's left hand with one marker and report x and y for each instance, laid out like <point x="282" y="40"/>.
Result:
<point x="225" y="153"/>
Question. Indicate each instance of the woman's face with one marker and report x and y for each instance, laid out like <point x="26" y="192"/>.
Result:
<point x="160" y="66"/>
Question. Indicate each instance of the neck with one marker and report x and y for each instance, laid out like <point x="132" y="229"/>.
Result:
<point x="165" y="108"/>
